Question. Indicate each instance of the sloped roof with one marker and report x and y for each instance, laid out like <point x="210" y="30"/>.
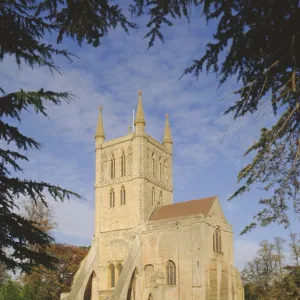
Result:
<point x="183" y="209"/>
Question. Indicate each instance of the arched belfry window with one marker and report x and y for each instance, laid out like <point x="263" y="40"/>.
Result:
<point x="112" y="167"/>
<point x="171" y="272"/>
<point x="112" y="271"/>
<point x="153" y="165"/>
<point x="160" y="197"/>
<point x="166" y="170"/>
<point x="153" y="195"/>
<point x="123" y="195"/>
<point x="217" y="242"/>
<point x="161" y="169"/>
<point x="123" y="164"/>
<point x="112" y="198"/>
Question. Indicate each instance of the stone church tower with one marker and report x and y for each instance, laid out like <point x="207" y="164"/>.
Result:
<point x="145" y="247"/>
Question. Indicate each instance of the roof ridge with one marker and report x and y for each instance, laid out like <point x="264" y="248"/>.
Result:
<point x="188" y="208"/>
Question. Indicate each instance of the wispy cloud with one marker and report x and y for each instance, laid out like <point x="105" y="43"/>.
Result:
<point x="208" y="146"/>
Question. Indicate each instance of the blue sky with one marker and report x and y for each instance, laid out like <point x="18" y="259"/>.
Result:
<point x="208" y="146"/>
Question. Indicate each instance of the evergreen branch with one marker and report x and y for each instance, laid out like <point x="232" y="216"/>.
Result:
<point x="12" y="104"/>
<point x="10" y="157"/>
<point x="9" y="133"/>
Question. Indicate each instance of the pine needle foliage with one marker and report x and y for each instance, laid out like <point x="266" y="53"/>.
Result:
<point x="258" y="43"/>
<point x="24" y="25"/>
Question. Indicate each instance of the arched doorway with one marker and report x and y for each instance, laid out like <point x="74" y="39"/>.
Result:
<point x="132" y="286"/>
<point x="88" y="293"/>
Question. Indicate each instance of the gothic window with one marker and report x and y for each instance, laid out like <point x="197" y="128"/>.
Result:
<point x="112" y="167"/>
<point x="123" y="196"/>
<point x="166" y="170"/>
<point x="153" y="195"/>
<point x="123" y="164"/>
<point x="153" y="165"/>
<point x="120" y="268"/>
<point x="161" y="168"/>
<point x="171" y="273"/>
<point x="112" y="198"/>
<point x="112" y="272"/>
<point x="160" y="197"/>
<point x="217" y="246"/>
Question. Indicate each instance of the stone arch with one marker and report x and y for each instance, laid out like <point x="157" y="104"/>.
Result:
<point x="149" y="268"/>
<point x="131" y="295"/>
<point x="123" y="195"/>
<point x="150" y="297"/>
<point x="149" y="271"/>
<point x="112" y="198"/>
<point x="171" y="272"/>
<point x="88" y="293"/>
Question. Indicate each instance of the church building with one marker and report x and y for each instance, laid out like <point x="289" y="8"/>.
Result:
<point x="145" y="246"/>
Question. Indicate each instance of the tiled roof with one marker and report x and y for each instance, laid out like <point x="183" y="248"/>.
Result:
<point x="183" y="209"/>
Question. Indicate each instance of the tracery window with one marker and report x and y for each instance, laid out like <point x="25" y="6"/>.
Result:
<point x="112" y="198"/>
<point x="112" y="167"/>
<point x="171" y="272"/>
<point x="123" y="195"/>
<point x="123" y="164"/>
<point x="112" y="276"/>
<point x="153" y="195"/>
<point x="217" y="245"/>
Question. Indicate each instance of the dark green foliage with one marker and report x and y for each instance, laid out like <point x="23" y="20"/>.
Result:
<point x="23" y="28"/>
<point x="161" y="13"/>
<point x="16" y="232"/>
<point x="32" y="292"/>
<point x="23" y="25"/>
<point x="257" y="42"/>
<point x="262" y="41"/>
<point x="11" y="291"/>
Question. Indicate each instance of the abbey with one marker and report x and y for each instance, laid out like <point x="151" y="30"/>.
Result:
<point x="145" y="247"/>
